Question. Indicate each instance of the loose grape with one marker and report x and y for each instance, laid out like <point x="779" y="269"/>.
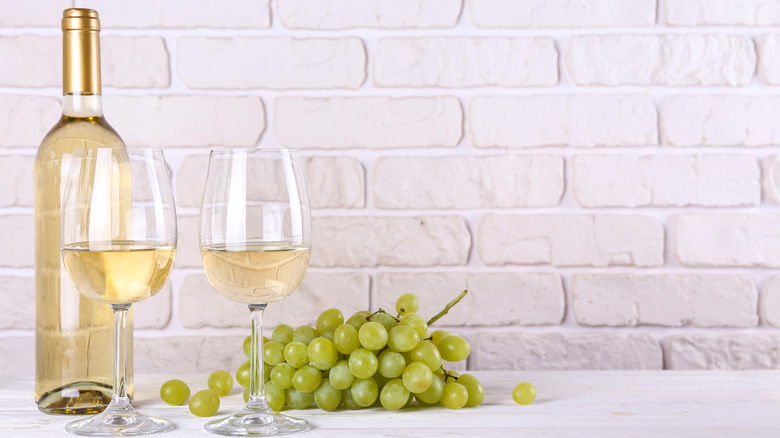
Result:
<point x="282" y="333"/>
<point x="296" y="354"/>
<point x="275" y="397"/>
<point x="242" y="375"/>
<point x="330" y="318"/>
<point x="524" y="393"/>
<point x="426" y="353"/>
<point x="437" y="335"/>
<point x="373" y="336"/>
<point x="417" y="377"/>
<point x="358" y="319"/>
<point x="391" y="364"/>
<point x="363" y="363"/>
<point x="454" y="395"/>
<point x="407" y="303"/>
<point x="220" y="382"/>
<point x="386" y="320"/>
<point x="394" y="395"/>
<point x="346" y="339"/>
<point x="339" y="376"/>
<point x="432" y="395"/>
<point x="299" y="400"/>
<point x="204" y="403"/>
<point x="322" y="353"/>
<point x="454" y="348"/>
<point x="174" y="392"/>
<point x="364" y="391"/>
<point x="273" y="353"/>
<point x="307" y="379"/>
<point x="474" y="388"/>
<point x="282" y="375"/>
<point x="305" y="334"/>
<point x="327" y="397"/>
<point x="416" y="322"/>
<point x="402" y="338"/>
<point x="348" y="401"/>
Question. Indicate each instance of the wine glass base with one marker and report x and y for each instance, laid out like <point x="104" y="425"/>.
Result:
<point x="254" y="422"/>
<point x="127" y="422"/>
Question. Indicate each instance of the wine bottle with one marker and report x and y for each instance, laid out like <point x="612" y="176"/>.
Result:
<point x="73" y="334"/>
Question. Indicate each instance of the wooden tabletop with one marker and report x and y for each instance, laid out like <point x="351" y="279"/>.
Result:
<point x="569" y="404"/>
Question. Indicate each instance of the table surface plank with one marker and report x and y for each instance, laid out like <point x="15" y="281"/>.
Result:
<point x="569" y="404"/>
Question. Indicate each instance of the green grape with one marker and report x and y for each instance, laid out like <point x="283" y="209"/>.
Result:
<point x="307" y="379"/>
<point x="364" y="391"/>
<point x="363" y="363"/>
<point x="299" y="400"/>
<point x="282" y="375"/>
<point x="454" y="348"/>
<point x="454" y="395"/>
<point x="358" y="319"/>
<point x="339" y="376"/>
<point x="432" y="395"/>
<point x="327" y="397"/>
<point x="273" y="353"/>
<point x="346" y="339"/>
<point x="248" y="344"/>
<point x="275" y="397"/>
<point x="474" y="388"/>
<point x="402" y="338"/>
<point x="391" y="364"/>
<point x="394" y="395"/>
<point x="407" y="303"/>
<point x="220" y="382"/>
<point x="305" y="334"/>
<point x="451" y="376"/>
<point x="426" y="353"/>
<point x="204" y="403"/>
<point x="386" y="320"/>
<point x="330" y="318"/>
<point x="242" y="375"/>
<point x="282" y="333"/>
<point x="348" y="401"/>
<point x="174" y="392"/>
<point x="328" y="333"/>
<point x="437" y="335"/>
<point x="524" y="393"/>
<point x="322" y="353"/>
<point x="417" y="377"/>
<point x="246" y="395"/>
<point x="296" y="354"/>
<point x="373" y="336"/>
<point x="416" y="322"/>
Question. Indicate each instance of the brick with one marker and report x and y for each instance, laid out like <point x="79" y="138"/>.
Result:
<point x="22" y="241"/>
<point x="771" y="177"/>
<point x="571" y="240"/>
<point x="708" y="13"/>
<point x="332" y="182"/>
<point x="28" y="119"/>
<point x="468" y="182"/>
<point x="722" y="60"/>
<point x="18" y="297"/>
<point x="454" y="62"/>
<point x="16" y="177"/>
<point x="522" y="350"/>
<point x="563" y="120"/>
<point x="727" y="239"/>
<point x="579" y="13"/>
<point x="362" y="241"/>
<point x="187" y="121"/>
<point x="188" y="354"/>
<point x="721" y="120"/>
<point x="770" y="301"/>
<point x="672" y="300"/>
<point x="379" y="14"/>
<point x="200" y="305"/>
<point x="279" y="63"/>
<point x="368" y="122"/>
<point x="666" y="180"/>
<point x="768" y="63"/>
<point x="22" y="350"/>
<point x="528" y="298"/>
<point x="741" y="351"/>
<point x="228" y="14"/>
<point x="155" y="312"/>
<point x="42" y="13"/>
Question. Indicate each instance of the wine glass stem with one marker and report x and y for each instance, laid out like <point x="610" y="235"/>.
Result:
<point x="256" y="378"/>
<point x="119" y="398"/>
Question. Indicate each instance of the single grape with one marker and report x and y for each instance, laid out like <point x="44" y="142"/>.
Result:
<point x="174" y="392"/>
<point x="363" y="363"/>
<point x="454" y="348"/>
<point x="437" y="335"/>
<point x="242" y="375"/>
<point x="358" y="319"/>
<point x="407" y="303"/>
<point x="204" y="403"/>
<point x="431" y="395"/>
<point x="373" y="336"/>
<point x="417" y="377"/>
<point x="322" y="353"/>
<point x="246" y="395"/>
<point x="524" y="393"/>
<point x="474" y="388"/>
<point x="220" y="382"/>
<point x="394" y="395"/>
<point x="282" y="375"/>
<point x="305" y="334"/>
<point x="346" y="339"/>
<point x="416" y="322"/>
<point x="339" y="376"/>
<point x="454" y="395"/>
<point x="402" y="338"/>
<point x="391" y="364"/>
<point x="386" y="320"/>
<point x="328" y="333"/>
<point x="348" y="401"/>
<point x="273" y="353"/>
<point x="330" y="318"/>
<point x="307" y="379"/>
<point x="297" y="399"/>
<point x="282" y="333"/>
<point x="248" y="345"/>
<point x="364" y="391"/>
<point x="426" y="353"/>
<point x="296" y="354"/>
<point x="275" y="397"/>
<point x="327" y="397"/>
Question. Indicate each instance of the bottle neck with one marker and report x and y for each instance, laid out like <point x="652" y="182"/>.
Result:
<point x="82" y="105"/>
<point x="80" y="61"/>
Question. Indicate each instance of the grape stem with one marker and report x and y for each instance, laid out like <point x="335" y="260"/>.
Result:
<point x="368" y="318"/>
<point x="447" y="308"/>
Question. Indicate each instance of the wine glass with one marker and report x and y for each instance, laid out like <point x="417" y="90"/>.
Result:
<point x="255" y="241"/>
<point x="118" y="246"/>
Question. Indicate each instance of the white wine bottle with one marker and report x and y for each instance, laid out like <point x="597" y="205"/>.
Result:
<point x="73" y="334"/>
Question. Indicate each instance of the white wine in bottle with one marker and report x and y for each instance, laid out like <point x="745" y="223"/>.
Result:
<point x="73" y="334"/>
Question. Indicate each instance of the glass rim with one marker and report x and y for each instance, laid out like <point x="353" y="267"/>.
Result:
<point x="230" y="151"/>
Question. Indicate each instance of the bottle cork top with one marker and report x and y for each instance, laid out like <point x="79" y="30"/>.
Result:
<point x="80" y="19"/>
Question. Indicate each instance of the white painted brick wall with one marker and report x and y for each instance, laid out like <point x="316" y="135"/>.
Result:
<point x="698" y="351"/>
<point x="716" y="13"/>
<point x="578" y="13"/>
<point x="381" y="14"/>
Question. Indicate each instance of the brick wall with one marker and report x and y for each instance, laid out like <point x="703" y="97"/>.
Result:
<point x="602" y="175"/>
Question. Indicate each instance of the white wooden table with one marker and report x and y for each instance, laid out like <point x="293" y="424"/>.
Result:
<point x="569" y="404"/>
